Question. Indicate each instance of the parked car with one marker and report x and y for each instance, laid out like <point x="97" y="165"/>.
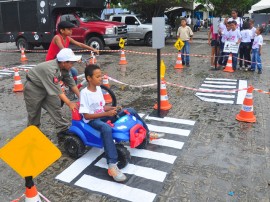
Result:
<point x="138" y="29"/>
<point x="33" y="23"/>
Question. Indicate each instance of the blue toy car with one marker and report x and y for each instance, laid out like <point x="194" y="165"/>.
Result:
<point x="125" y="129"/>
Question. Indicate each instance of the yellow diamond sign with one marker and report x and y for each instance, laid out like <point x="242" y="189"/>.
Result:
<point x="30" y="152"/>
<point x="122" y="43"/>
<point x="179" y="44"/>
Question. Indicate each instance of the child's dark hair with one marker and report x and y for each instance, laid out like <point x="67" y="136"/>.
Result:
<point x="89" y="70"/>
<point x="260" y="29"/>
<point x="233" y="22"/>
<point x="246" y="25"/>
<point x="183" y="19"/>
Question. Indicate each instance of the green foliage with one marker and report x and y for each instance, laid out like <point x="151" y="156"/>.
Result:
<point x="225" y="6"/>
<point x="149" y="8"/>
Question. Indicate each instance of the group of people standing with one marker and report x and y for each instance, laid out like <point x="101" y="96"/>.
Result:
<point x="236" y="31"/>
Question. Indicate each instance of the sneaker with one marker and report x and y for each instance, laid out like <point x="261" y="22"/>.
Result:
<point x="260" y="72"/>
<point x="154" y="135"/>
<point x="117" y="174"/>
<point x="187" y="65"/>
<point x="251" y="70"/>
<point x="246" y="69"/>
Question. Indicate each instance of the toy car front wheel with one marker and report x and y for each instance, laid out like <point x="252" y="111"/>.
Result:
<point x="145" y="142"/>
<point x="74" y="146"/>
<point x="123" y="156"/>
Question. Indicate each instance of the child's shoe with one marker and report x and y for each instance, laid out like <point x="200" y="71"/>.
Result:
<point x="154" y="135"/>
<point x="117" y="174"/>
<point x="260" y="72"/>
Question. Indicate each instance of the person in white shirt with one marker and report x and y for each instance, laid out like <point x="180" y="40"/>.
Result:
<point x="188" y="20"/>
<point x="252" y="29"/>
<point x="257" y="51"/>
<point x="238" y="20"/>
<point x="245" y="47"/>
<point x="224" y="37"/>
<point x="234" y="36"/>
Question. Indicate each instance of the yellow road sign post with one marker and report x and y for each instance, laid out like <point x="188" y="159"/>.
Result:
<point x="122" y="43"/>
<point x="179" y="44"/>
<point x="30" y="152"/>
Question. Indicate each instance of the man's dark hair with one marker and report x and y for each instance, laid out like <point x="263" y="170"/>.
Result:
<point x="235" y="10"/>
<point x="89" y="70"/>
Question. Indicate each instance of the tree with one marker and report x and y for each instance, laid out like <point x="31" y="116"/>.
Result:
<point x="148" y="8"/>
<point x="225" y="7"/>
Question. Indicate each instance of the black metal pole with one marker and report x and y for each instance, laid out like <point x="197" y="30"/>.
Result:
<point x="158" y="81"/>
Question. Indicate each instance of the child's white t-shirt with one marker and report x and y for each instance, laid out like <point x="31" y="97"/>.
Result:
<point x="91" y="102"/>
<point x="246" y="35"/>
<point x="258" y="40"/>
<point x="234" y="36"/>
<point x="253" y="30"/>
<point x="225" y="35"/>
<point x="239" y="22"/>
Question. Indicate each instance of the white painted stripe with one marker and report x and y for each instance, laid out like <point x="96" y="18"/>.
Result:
<point x="141" y="115"/>
<point x="217" y="100"/>
<point x="217" y="79"/>
<point x="10" y="71"/>
<point x="216" y="95"/>
<point x="6" y="73"/>
<point x="152" y="155"/>
<point x="218" y="86"/>
<point x="25" y="67"/>
<point x="164" y="129"/>
<point x="115" y="189"/>
<point x="209" y="89"/>
<point x="242" y="93"/>
<point x="140" y="171"/>
<point x="220" y="82"/>
<point x="168" y="143"/>
<point x="171" y="120"/>
<point x="79" y="165"/>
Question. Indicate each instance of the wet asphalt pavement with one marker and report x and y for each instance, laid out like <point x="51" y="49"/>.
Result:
<point x="221" y="156"/>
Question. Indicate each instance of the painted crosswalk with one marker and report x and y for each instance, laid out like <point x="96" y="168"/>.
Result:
<point x="147" y="170"/>
<point x="6" y="73"/>
<point x="219" y="84"/>
<point x="9" y="72"/>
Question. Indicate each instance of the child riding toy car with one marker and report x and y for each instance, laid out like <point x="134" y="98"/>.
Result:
<point x="125" y="129"/>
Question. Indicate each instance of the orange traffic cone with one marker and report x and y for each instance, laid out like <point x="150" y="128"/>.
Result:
<point x="246" y="113"/>
<point x="164" y="103"/>
<point x="93" y="59"/>
<point x="228" y="67"/>
<point x="31" y="193"/>
<point x="23" y="56"/>
<point x="18" y="86"/>
<point x="123" y="60"/>
<point x="179" y="64"/>
<point x="106" y="95"/>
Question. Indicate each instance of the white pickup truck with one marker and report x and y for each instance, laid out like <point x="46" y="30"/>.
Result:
<point x="137" y="30"/>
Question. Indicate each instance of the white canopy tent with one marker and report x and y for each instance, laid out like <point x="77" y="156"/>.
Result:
<point x="263" y="4"/>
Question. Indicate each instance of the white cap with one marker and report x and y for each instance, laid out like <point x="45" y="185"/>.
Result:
<point x="66" y="54"/>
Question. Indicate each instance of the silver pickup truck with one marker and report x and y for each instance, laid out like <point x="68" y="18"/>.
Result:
<point x="138" y="30"/>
